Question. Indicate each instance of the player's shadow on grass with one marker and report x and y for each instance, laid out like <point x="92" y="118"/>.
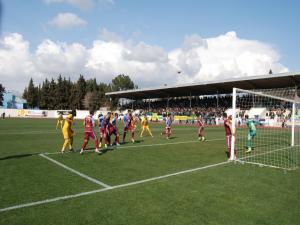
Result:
<point x="102" y="150"/>
<point x="227" y="154"/>
<point x="18" y="156"/>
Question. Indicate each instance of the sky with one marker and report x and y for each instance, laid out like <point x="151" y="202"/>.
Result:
<point x="148" y="40"/>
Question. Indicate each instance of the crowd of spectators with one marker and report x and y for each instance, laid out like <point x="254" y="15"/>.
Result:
<point x="206" y="106"/>
<point x="210" y="107"/>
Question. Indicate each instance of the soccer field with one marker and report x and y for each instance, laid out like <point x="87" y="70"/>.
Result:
<point x="153" y="181"/>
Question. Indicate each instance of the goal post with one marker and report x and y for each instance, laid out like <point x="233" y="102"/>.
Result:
<point x="265" y="127"/>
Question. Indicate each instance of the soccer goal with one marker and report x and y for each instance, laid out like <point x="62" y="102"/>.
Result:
<point x="266" y="126"/>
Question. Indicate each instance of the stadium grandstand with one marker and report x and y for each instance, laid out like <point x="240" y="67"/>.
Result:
<point x="210" y="99"/>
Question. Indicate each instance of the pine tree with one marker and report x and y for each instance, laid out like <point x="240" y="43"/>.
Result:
<point x="78" y="93"/>
<point x="31" y="95"/>
<point x="25" y="93"/>
<point x="68" y="95"/>
<point x="2" y="90"/>
<point x="52" y="95"/>
<point x="91" y="85"/>
<point x="67" y="86"/>
<point x="44" y="100"/>
<point x="60" y="93"/>
<point x="39" y="95"/>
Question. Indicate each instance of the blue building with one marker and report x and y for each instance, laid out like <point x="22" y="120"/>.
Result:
<point x="13" y="100"/>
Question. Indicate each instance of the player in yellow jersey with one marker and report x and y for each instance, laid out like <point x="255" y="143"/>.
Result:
<point x="145" y="126"/>
<point x="68" y="132"/>
<point x="60" y="120"/>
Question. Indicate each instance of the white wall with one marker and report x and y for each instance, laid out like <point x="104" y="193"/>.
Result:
<point x="9" y="112"/>
<point x="31" y="113"/>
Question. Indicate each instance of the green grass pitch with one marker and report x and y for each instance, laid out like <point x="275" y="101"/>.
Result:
<point x="221" y="194"/>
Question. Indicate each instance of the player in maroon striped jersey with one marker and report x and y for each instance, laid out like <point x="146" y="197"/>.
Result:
<point x="89" y="123"/>
<point x="228" y="132"/>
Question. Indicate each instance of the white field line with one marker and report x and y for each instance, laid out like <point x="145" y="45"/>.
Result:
<point x="266" y="165"/>
<point x="76" y="172"/>
<point x="109" y="188"/>
<point x="30" y="132"/>
<point x="150" y="145"/>
<point x="37" y="132"/>
<point x="51" y="200"/>
<point x="268" y="152"/>
<point x="170" y="175"/>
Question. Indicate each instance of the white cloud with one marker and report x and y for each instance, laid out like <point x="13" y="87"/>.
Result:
<point x="82" y="4"/>
<point x="67" y="20"/>
<point x="107" y="35"/>
<point x="51" y="57"/>
<point x="146" y="53"/>
<point x="225" y="56"/>
<point x="199" y="59"/>
<point x="16" y="65"/>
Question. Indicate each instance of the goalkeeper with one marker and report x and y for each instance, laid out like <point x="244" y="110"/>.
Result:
<point x="251" y="133"/>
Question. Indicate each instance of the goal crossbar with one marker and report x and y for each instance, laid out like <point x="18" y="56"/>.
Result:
<point x="269" y="96"/>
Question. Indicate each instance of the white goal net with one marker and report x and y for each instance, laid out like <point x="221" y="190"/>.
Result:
<point x="266" y="127"/>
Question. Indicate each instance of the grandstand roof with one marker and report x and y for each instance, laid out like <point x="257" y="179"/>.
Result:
<point x="269" y="81"/>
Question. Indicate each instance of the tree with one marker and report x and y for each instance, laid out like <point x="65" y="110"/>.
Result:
<point x="91" y="85"/>
<point x="31" y="95"/>
<point x="44" y="100"/>
<point x="121" y="83"/>
<point x="60" y="93"/>
<point x="68" y="87"/>
<point x="78" y="93"/>
<point x="38" y="90"/>
<point x="52" y="102"/>
<point x="102" y="89"/>
<point x="2" y="90"/>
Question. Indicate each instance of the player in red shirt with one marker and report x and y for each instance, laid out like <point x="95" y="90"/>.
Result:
<point x="200" y="124"/>
<point x="89" y="123"/>
<point x="228" y="132"/>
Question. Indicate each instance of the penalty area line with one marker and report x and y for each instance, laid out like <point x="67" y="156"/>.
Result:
<point x="46" y="201"/>
<point x="75" y="171"/>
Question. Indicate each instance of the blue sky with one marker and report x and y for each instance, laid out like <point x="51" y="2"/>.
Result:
<point x="159" y="23"/>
